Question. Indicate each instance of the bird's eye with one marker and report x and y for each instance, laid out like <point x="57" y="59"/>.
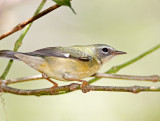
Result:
<point x="104" y="50"/>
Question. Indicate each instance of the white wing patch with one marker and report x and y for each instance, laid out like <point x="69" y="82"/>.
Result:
<point x="67" y="55"/>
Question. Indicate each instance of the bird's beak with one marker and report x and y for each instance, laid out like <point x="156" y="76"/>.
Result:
<point x="119" y="52"/>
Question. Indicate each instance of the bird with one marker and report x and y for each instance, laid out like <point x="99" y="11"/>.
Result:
<point x="72" y="63"/>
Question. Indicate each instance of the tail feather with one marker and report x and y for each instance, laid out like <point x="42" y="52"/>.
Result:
<point x="8" y="54"/>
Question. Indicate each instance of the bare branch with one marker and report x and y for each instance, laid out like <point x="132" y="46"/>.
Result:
<point x="23" y="24"/>
<point x="153" y="78"/>
<point x="75" y="86"/>
<point x="23" y="79"/>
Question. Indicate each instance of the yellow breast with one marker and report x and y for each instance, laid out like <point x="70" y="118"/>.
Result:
<point x="55" y="67"/>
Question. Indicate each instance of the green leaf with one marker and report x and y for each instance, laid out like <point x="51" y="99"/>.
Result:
<point x="65" y="3"/>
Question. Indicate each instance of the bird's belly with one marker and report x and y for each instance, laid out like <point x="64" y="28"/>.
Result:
<point x="72" y="68"/>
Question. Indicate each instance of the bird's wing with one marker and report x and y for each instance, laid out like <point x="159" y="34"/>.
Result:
<point x="62" y="52"/>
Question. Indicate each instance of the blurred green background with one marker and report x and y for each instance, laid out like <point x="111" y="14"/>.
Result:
<point x="128" y="25"/>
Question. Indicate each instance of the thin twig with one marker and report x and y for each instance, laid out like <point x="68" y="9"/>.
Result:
<point x="75" y="86"/>
<point x="153" y="78"/>
<point x="23" y="79"/>
<point x="23" y="24"/>
<point x="18" y="43"/>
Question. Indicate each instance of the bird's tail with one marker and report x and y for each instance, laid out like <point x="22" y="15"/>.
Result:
<point x="8" y="54"/>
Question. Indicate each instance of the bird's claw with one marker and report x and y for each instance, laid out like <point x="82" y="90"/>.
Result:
<point x="83" y="87"/>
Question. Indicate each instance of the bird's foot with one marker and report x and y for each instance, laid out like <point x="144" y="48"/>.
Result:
<point x="83" y="87"/>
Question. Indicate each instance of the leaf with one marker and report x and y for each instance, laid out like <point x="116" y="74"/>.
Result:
<point x="65" y="3"/>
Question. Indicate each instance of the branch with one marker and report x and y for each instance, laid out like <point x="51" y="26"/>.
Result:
<point x="22" y="79"/>
<point x="75" y="86"/>
<point x="153" y="78"/>
<point x="23" y="24"/>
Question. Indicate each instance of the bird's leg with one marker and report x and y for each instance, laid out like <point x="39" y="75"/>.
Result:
<point x="84" y="83"/>
<point x="54" y="83"/>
